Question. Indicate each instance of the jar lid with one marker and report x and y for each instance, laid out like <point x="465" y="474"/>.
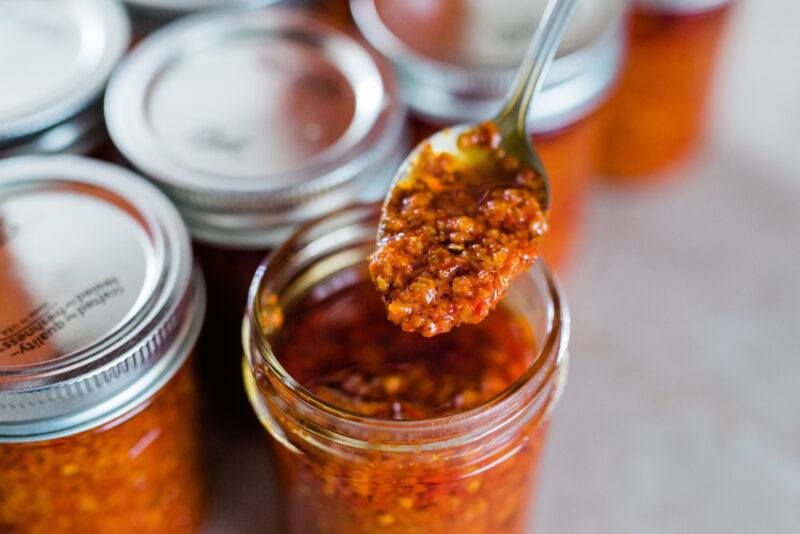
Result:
<point x="99" y="306"/>
<point x="683" y="6"/>
<point x="457" y="58"/>
<point x="63" y="53"/>
<point x="251" y="119"/>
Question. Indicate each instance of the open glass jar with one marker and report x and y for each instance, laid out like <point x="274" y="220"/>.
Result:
<point x="253" y="122"/>
<point x="58" y="59"/>
<point x="656" y="118"/>
<point x="377" y="430"/>
<point x="456" y="60"/>
<point x="100" y="309"/>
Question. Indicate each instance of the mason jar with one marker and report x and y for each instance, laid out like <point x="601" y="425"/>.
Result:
<point x="100" y="310"/>
<point x="657" y="118"/>
<point x="379" y="430"/>
<point x="58" y="59"/>
<point x="253" y="122"/>
<point x="456" y="60"/>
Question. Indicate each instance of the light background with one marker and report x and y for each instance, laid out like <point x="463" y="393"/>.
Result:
<point x="682" y="410"/>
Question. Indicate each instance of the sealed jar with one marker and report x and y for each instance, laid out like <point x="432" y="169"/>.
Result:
<point x="379" y="430"/>
<point x="657" y="117"/>
<point x="100" y="309"/>
<point x="58" y="58"/>
<point x="253" y="122"/>
<point x="456" y="60"/>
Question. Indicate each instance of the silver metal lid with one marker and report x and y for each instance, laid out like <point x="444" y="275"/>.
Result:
<point x="56" y="57"/>
<point x="683" y="6"/>
<point x="253" y="120"/>
<point x="456" y="59"/>
<point x="99" y="305"/>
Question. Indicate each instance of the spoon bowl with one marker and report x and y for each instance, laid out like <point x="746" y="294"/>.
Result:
<point x="467" y="210"/>
<point x="512" y="118"/>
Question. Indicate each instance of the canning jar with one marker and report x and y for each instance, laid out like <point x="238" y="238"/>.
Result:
<point x="253" y="122"/>
<point x="100" y="308"/>
<point x="53" y="81"/>
<point x="379" y="430"/>
<point x="456" y="60"/>
<point x="656" y="119"/>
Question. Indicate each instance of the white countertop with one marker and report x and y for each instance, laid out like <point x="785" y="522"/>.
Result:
<point x="682" y="411"/>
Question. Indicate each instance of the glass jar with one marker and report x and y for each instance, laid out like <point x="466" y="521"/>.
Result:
<point x="53" y="82"/>
<point x="100" y="309"/>
<point x="656" y="119"/>
<point x="469" y="469"/>
<point x="456" y="60"/>
<point x="253" y="122"/>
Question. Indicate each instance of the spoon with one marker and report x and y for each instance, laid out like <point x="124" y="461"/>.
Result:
<point x="512" y="118"/>
<point x="451" y="238"/>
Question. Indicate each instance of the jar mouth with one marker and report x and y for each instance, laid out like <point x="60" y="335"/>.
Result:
<point x="539" y="374"/>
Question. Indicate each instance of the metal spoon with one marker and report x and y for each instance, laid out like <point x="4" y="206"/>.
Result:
<point x="511" y="119"/>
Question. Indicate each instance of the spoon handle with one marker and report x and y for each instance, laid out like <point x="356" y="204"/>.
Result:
<point x="537" y="61"/>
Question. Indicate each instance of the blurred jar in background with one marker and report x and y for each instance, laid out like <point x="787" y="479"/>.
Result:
<point x="57" y="58"/>
<point x="657" y="117"/>
<point x="253" y="122"/>
<point x="100" y="310"/>
<point x="457" y="58"/>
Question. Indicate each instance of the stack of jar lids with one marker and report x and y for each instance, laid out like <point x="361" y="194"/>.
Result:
<point x="100" y="303"/>
<point x="148" y="15"/>
<point x="254" y="121"/>
<point x="56" y="62"/>
<point x="457" y="58"/>
<point x="683" y="6"/>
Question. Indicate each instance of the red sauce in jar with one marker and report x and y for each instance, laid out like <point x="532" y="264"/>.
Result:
<point x="344" y="351"/>
<point x="337" y="343"/>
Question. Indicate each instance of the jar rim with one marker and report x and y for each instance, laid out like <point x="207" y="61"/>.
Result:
<point x="541" y="372"/>
<point x="148" y="298"/>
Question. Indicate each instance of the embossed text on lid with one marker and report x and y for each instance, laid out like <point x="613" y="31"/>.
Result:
<point x="74" y="266"/>
<point x="96" y="292"/>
